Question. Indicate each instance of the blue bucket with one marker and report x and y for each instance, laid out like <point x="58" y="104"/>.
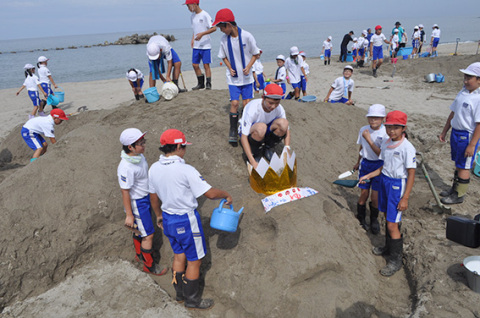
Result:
<point x="349" y="57"/>
<point x="476" y="170"/>
<point x="225" y="219"/>
<point x="308" y="99"/>
<point x="60" y="95"/>
<point x="151" y="94"/>
<point x="52" y="100"/>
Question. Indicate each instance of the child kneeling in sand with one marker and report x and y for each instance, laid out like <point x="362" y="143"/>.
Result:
<point x="396" y="183"/>
<point x="177" y="186"/>
<point x="34" y="128"/>
<point x="132" y="175"/>
<point x="342" y="88"/>
<point x="370" y="139"/>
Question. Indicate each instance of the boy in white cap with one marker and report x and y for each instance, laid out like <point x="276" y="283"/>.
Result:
<point x="33" y="86"/>
<point x="176" y="186"/>
<point x="303" y="78"/>
<point x="264" y="125"/>
<point x="135" y="79"/>
<point x="158" y="48"/>
<point x="342" y="88"/>
<point x="435" y="39"/>
<point x="327" y="50"/>
<point x="238" y="50"/>
<point x="258" y="76"/>
<point x="376" y="48"/>
<point x="294" y="66"/>
<point x="34" y="128"/>
<point x="464" y="140"/>
<point x="415" y="41"/>
<point x="201" y="23"/>
<point x="45" y="76"/>
<point x="394" y="40"/>
<point x="362" y="45"/>
<point x="281" y="74"/>
<point x="370" y="139"/>
<point x="132" y="173"/>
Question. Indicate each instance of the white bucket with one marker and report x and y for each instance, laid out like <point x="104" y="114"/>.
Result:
<point x="472" y="266"/>
<point x="169" y="90"/>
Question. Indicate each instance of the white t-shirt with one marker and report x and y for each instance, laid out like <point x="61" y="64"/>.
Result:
<point x="163" y="44"/>
<point x="258" y="67"/>
<point x="327" y="45"/>
<point x="362" y="43"/>
<point x="378" y="136"/>
<point x="416" y="35"/>
<point x="43" y="74"/>
<point x="42" y="125"/>
<point x="355" y="45"/>
<point x="306" y="68"/>
<point x="139" y="75"/>
<point x="394" y="41"/>
<point x="466" y="107"/>
<point x="253" y="113"/>
<point x="378" y="40"/>
<point x="339" y="86"/>
<point x="31" y="83"/>
<point x="201" y="22"/>
<point x="294" y="69"/>
<point x="177" y="184"/>
<point x="436" y="33"/>
<point x="134" y="177"/>
<point x="249" y="49"/>
<point x="396" y="161"/>
<point x="281" y="73"/>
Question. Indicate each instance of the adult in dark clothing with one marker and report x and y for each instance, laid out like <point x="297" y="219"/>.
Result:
<point x="401" y="39"/>
<point x="343" y="47"/>
<point x="422" y="37"/>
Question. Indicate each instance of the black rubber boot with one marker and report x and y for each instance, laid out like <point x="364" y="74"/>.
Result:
<point x="374" y="225"/>
<point x="177" y="282"/>
<point x="271" y="141"/>
<point x="209" y="83"/>
<point x="137" y="97"/>
<point x="200" y="84"/>
<point x="191" y="292"/>
<point x="458" y="192"/>
<point x="325" y="63"/>
<point x="395" y="262"/>
<point x="256" y="147"/>
<point x="137" y="243"/>
<point x="233" y="134"/>
<point x="383" y="250"/>
<point x="361" y="212"/>
<point x="446" y="193"/>
<point x="328" y="62"/>
<point x="180" y="90"/>
<point x="149" y="265"/>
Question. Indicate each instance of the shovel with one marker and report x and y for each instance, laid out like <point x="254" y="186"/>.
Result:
<point x="80" y="109"/>
<point x="133" y="229"/>
<point x="348" y="183"/>
<point x="346" y="174"/>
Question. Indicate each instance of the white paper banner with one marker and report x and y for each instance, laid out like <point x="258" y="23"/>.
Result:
<point x="286" y="196"/>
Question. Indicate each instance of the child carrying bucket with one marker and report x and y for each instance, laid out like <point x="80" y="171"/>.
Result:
<point x="45" y="76"/>
<point x="33" y="87"/>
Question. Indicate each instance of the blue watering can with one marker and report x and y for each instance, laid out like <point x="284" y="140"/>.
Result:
<point x="225" y="219"/>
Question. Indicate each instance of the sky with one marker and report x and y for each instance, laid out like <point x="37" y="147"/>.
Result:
<point x="42" y="18"/>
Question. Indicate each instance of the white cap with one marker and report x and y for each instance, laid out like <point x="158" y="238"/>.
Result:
<point x="355" y="39"/>
<point x="28" y="66"/>
<point x="294" y="50"/>
<point x="153" y="51"/>
<point x="376" y="110"/>
<point x="42" y="59"/>
<point x="348" y="67"/>
<point x="280" y="57"/>
<point x="130" y="136"/>
<point x="364" y="32"/>
<point x="395" y="31"/>
<point x="420" y="25"/>
<point x="415" y="27"/>
<point x="473" y="69"/>
<point x="132" y="76"/>
<point x="330" y="37"/>
<point x="435" y="26"/>
<point x="302" y="53"/>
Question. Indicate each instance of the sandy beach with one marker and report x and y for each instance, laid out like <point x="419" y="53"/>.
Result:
<point x="65" y="252"/>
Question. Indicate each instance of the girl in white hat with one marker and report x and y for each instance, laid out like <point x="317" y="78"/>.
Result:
<point x="33" y="86"/>
<point x="45" y="76"/>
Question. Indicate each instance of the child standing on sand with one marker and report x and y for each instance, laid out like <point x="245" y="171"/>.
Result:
<point x="415" y="41"/>
<point x="435" y="39"/>
<point x="395" y="43"/>
<point x="132" y="175"/>
<point x="464" y="140"/>
<point x="281" y="74"/>
<point x="258" y="71"/>
<point x="45" y="76"/>
<point x="376" y="49"/>
<point x="396" y="183"/>
<point x="370" y="139"/>
<point x="294" y="66"/>
<point x="342" y="88"/>
<point x="327" y="50"/>
<point x="135" y="79"/>
<point x="303" y="78"/>
<point x="33" y="86"/>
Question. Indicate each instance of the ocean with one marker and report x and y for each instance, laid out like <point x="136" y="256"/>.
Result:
<point x="108" y="62"/>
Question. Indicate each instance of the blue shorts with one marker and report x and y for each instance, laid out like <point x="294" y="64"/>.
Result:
<point x="34" y="97"/>
<point x="261" y="80"/>
<point x="297" y="85"/>
<point x="366" y="167"/>
<point x="354" y="52"/>
<point x="328" y="53"/>
<point x="341" y="100"/>
<point x="246" y="91"/>
<point x="284" y="88"/>
<point x="377" y="53"/>
<point x="156" y="67"/>
<point x="32" y="139"/>
<point x="143" y="216"/>
<point x="361" y="52"/>
<point x="435" y="42"/>
<point x="185" y="234"/>
<point x="303" y="83"/>
<point x="201" y="56"/>
<point x="46" y="88"/>
<point x="416" y="43"/>
<point x="390" y="193"/>
<point x="136" y="85"/>
<point x="459" y="141"/>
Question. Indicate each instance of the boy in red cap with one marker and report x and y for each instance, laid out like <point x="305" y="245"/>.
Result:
<point x="396" y="183"/>
<point x="35" y="127"/>
<point x="201" y="23"/>
<point x="132" y="175"/>
<point x="376" y="48"/>
<point x="176" y="186"/>
<point x="238" y="50"/>
<point x="264" y="125"/>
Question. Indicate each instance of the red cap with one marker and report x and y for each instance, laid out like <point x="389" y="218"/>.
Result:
<point x="378" y="27"/>
<point x="58" y="113"/>
<point x="396" y="117"/>
<point x="224" y="15"/>
<point x="192" y="2"/>
<point x="173" y="137"/>
<point x="273" y="91"/>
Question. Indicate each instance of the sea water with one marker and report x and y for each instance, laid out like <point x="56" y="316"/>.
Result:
<point x="107" y="62"/>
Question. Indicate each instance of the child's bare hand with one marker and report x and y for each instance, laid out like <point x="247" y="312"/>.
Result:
<point x="246" y="71"/>
<point x="441" y="137"/>
<point x="366" y="134"/>
<point x="355" y="167"/>
<point x="363" y="179"/>
<point x="129" y="221"/>
<point x="232" y="72"/>
<point x="160" y="222"/>
<point x="470" y="151"/>
<point x="402" y="205"/>
<point x="229" y="199"/>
